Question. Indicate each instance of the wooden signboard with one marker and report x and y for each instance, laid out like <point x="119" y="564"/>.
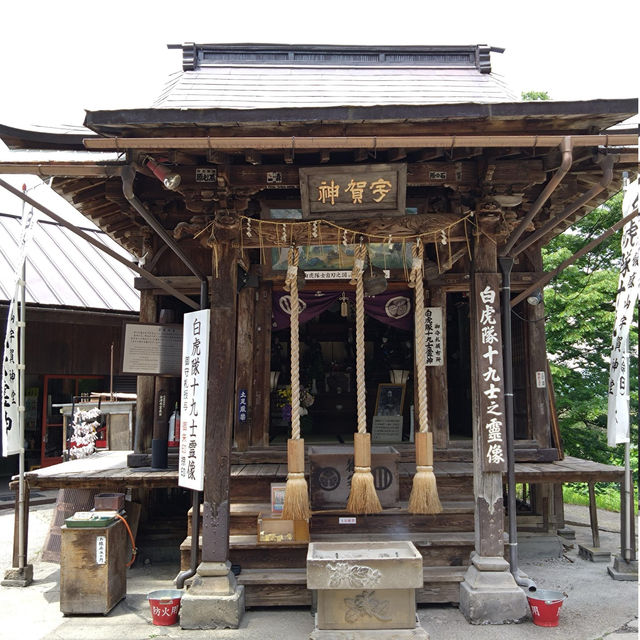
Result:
<point x="331" y="470"/>
<point x="152" y="349"/>
<point x="193" y="414"/>
<point x="351" y="191"/>
<point x="434" y="353"/>
<point x="490" y="380"/>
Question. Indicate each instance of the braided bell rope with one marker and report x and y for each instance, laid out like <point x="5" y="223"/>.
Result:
<point x="356" y="278"/>
<point x="415" y="282"/>
<point x="291" y="285"/>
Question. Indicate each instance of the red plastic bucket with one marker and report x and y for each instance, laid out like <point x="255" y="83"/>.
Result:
<point x="545" y="607"/>
<point x="165" y="606"/>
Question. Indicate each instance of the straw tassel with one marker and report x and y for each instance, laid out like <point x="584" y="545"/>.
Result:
<point x="296" y="493"/>
<point x="424" y="492"/>
<point x="362" y="497"/>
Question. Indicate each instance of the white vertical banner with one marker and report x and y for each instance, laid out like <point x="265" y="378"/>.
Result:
<point x="12" y="440"/>
<point x="628" y="288"/>
<point x="193" y="414"/>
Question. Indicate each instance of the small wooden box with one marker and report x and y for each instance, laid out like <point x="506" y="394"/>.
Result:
<point x="273" y="529"/>
<point x="93" y="576"/>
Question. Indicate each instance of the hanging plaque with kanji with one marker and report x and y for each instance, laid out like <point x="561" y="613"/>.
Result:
<point x="355" y="189"/>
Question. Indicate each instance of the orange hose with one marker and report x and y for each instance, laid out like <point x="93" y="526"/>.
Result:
<point x="134" y="551"/>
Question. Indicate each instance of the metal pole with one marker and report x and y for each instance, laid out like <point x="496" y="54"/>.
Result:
<point x="195" y="495"/>
<point x="22" y="547"/>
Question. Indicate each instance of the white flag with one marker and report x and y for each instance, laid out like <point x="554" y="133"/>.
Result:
<point x="12" y="439"/>
<point x="628" y="288"/>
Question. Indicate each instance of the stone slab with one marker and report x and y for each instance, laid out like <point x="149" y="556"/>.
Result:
<point x="537" y="547"/>
<point x="366" y="609"/>
<point x="417" y="633"/>
<point x="621" y="570"/>
<point x="566" y="532"/>
<point x="212" y="611"/>
<point x="594" y="554"/>
<point x="364" y="565"/>
<point x="18" y="577"/>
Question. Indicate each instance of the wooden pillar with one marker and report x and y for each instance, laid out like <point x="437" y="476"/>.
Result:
<point x="244" y="368"/>
<point x="538" y="385"/>
<point x="220" y="399"/>
<point x="259" y="436"/>
<point x="489" y="511"/>
<point x="145" y="386"/>
<point x="438" y="388"/>
<point x="489" y="593"/>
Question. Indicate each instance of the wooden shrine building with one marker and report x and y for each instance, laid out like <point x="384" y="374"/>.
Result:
<point x="255" y="152"/>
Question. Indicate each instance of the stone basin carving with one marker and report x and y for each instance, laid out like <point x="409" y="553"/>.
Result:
<point x="351" y="565"/>
<point x="365" y="589"/>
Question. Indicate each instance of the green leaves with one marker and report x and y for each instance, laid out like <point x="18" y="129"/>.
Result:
<point x="580" y="310"/>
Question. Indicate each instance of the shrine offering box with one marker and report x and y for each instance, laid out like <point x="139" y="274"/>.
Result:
<point x="331" y="468"/>
<point x="272" y="528"/>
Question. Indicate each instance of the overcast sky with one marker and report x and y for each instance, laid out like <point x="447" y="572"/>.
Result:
<point x="58" y="58"/>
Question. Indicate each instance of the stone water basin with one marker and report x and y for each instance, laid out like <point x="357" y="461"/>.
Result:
<point x="394" y="564"/>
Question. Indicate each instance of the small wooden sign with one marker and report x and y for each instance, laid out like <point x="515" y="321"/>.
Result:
<point x="353" y="190"/>
<point x="433" y="336"/>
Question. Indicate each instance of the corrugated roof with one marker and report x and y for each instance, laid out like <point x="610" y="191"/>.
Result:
<point x="64" y="270"/>
<point x="277" y="76"/>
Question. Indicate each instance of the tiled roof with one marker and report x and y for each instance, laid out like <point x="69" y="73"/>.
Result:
<point x="274" y="76"/>
<point x="65" y="270"/>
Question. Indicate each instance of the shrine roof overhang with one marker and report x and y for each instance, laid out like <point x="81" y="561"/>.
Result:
<point x="530" y="116"/>
<point x="91" y="181"/>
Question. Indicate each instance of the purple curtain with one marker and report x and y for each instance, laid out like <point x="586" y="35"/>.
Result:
<point x="394" y="308"/>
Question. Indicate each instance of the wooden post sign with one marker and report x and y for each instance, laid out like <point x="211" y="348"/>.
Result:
<point x="195" y="370"/>
<point x="433" y="336"/>
<point x="490" y="385"/>
<point x="359" y="189"/>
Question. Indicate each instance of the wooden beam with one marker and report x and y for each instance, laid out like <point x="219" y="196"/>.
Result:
<point x="283" y="143"/>
<point x="261" y="367"/>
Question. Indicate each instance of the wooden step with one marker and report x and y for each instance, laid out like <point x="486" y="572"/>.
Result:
<point x="246" y="551"/>
<point x="243" y="517"/>
<point x="455" y="517"/>
<point x="288" y="587"/>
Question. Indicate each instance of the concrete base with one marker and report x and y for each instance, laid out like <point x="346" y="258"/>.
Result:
<point x="621" y="570"/>
<point x="18" y="577"/>
<point x="567" y="533"/>
<point x="535" y="546"/>
<point x="489" y="594"/>
<point x="214" y="601"/>
<point x="417" y="633"/>
<point x="594" y="554"/>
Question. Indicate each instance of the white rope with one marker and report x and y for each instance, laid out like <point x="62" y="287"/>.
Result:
<point x="291" y="285"/>
<point x="356" y="278"/>
<point x="416" y="282"/>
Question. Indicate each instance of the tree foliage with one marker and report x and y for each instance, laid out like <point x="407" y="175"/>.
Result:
<point x="580" y="310"/>
<point x="535" y="95"/>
